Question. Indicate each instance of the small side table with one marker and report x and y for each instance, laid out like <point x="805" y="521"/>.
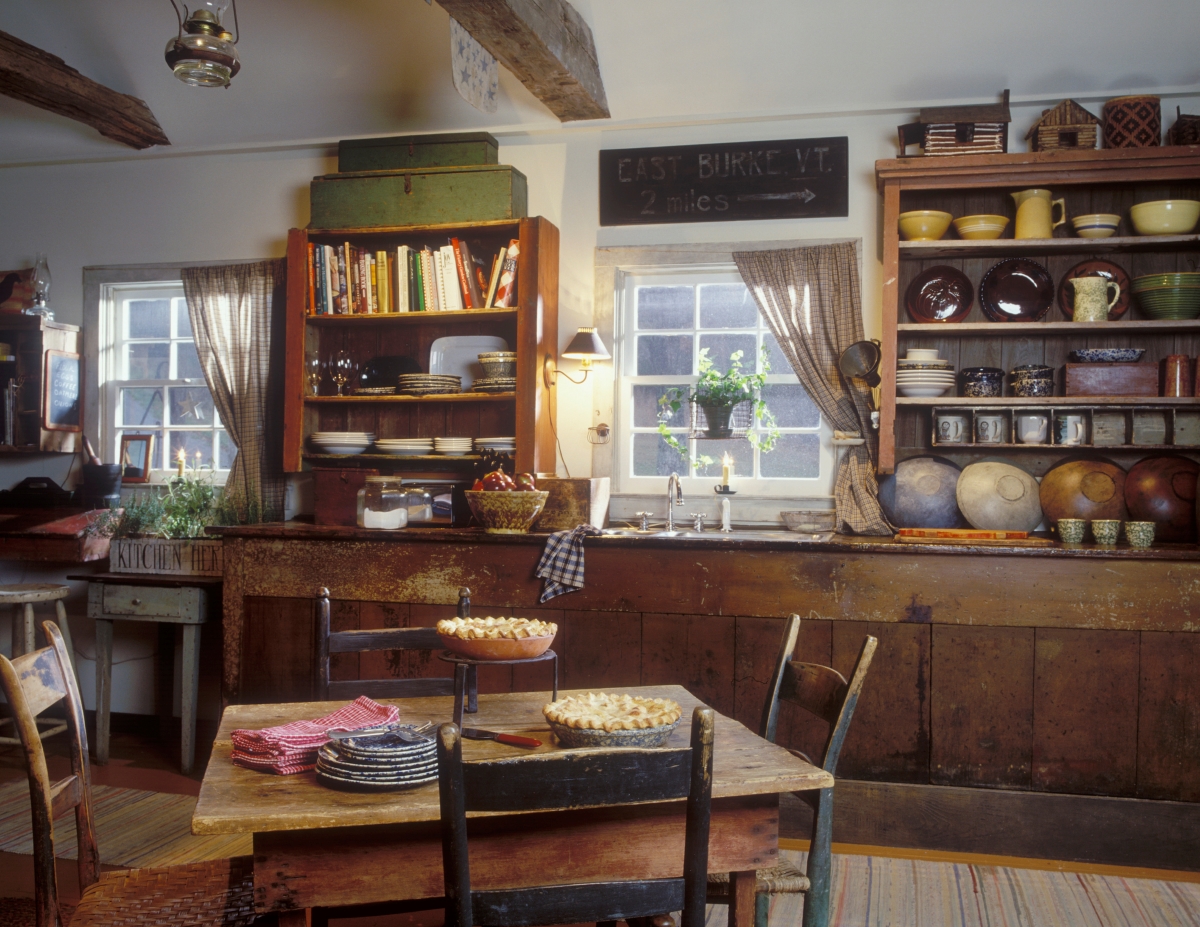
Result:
<point x="466" y="686"/>
<point x="165" y="601"/>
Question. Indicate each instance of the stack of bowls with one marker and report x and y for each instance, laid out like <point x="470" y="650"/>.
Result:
<point x="981" y="227"/>
<point x="1033" y="380"/>
<point x="452" y="447"/>
<point x="499" y="363"/>
<point x="1168" y="296"/>
<point x="924" y="224"/>
<point x="341" y="442"/>
<point x="923" y="373"/>
<point x="1165" y="217"/>
<point x="982" y="382"/>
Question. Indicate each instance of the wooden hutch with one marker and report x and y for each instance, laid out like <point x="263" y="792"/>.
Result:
<point x="1107" y="181"/>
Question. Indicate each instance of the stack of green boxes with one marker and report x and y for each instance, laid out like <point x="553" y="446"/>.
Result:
<point x="418" y="180"/>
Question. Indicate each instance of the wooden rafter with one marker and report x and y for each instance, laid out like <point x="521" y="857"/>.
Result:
<point x="29" y="74"/>
<point x="546" y="44"/>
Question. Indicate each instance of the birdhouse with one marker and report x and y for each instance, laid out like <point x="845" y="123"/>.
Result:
<point x="1068" y="125"/>
<point x="951" y="130"/>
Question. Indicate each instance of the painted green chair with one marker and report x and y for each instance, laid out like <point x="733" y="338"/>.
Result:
<point x="824" y="692"/>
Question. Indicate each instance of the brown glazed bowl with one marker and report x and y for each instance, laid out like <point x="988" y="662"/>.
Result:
<point x="1163" y="490"/>
<point x="506" y="512"/>
<point x="1087" y="489"/>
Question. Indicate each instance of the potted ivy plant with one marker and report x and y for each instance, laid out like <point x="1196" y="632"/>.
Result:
<point x="717" y="395"/>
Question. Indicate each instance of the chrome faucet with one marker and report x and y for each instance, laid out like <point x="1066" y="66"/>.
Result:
<point x="673" y="483"/>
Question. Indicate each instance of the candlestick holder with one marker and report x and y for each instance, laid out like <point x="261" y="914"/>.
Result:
<point x="722" y="489"/>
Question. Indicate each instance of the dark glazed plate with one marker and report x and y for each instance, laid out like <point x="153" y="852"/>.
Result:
<point x="939" y="294"/>
<point x="1016" y="290"/>
<point x="1106" y="269"/>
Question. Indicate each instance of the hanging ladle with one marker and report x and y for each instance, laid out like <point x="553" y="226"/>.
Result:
<point x="860" y="361"/>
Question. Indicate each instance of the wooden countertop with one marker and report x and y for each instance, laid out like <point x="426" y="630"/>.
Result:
<point x="50" y="535"/>
<point x="306" y="531"/>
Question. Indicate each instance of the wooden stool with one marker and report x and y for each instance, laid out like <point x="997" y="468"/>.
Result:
<point x="22" y="597"/>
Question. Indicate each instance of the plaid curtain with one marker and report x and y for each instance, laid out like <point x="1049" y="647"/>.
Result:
<point x="231" y="312"/>
<point x="811" y="299"/>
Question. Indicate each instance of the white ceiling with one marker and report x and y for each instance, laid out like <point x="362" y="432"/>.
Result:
<point x="316" y="70"/>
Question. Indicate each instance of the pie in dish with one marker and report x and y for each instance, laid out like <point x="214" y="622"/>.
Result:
<point x="599" y="711"/>
<point x="513" y="629"/>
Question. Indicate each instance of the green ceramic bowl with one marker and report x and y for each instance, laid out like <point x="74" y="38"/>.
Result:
<point x="1151" y="281"/>
<point x="1169" y="302"/>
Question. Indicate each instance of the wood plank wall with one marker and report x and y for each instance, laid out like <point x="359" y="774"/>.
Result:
<point x="1063" y="710"/>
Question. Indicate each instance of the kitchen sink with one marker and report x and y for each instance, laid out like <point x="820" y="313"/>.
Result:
<point x="716" y="536"/>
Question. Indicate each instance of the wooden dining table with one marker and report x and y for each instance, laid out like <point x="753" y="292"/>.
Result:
<point x="319" y="847"/>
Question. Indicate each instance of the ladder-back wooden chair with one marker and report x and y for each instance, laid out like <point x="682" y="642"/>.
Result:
<point x="330" y="642"/>
<point x="824" y="692"/>
<point x="218" y="892"/>
<point x="574" y="780"/>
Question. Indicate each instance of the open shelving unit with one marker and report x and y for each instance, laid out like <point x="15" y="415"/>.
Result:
<point x="530" y="328"/>
<point x="1090" y="181"/>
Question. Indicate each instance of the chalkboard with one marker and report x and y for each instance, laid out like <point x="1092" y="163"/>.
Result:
<point x="62" y="392"/>
<point x="782" y="179"/>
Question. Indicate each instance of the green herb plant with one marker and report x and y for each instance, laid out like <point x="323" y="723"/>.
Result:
<point x="722" y="390"/>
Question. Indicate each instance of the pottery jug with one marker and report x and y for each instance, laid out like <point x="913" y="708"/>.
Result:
<point x="1035" y="213"/>
<point x="1092" y="302"/>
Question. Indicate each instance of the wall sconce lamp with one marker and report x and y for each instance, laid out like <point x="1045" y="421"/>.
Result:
<point x="585" y="347"/>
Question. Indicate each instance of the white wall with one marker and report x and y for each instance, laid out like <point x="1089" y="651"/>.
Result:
<point x="239" y="206"/>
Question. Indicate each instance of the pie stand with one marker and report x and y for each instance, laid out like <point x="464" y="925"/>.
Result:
<point x="466" y="678"/>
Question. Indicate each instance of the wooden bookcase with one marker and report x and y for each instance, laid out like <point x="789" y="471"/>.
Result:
<point x="1107" y="181"/>
<point x="31" y="337"/>
<point x="530" y="328"/>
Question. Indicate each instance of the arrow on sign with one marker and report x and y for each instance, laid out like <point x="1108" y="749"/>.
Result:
<point x="806" y="195"/>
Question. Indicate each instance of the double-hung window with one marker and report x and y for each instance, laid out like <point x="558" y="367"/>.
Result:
<point x="151" y="381"/>
<point x="665" y="318"/>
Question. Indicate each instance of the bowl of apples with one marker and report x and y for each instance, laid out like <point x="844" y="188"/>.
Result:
<point x="504" y="505"/>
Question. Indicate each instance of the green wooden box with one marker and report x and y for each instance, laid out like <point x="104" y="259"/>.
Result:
<point x="406" y="152"/>
<point x="379" y="199"/>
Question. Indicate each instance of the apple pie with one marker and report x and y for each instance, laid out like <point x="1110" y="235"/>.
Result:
<point x="513" y="629"/>
<point x="600" y="711"/>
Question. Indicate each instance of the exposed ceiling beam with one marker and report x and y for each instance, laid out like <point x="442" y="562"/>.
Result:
<point x="27" y="73"/>
<point x="546" y="44"/>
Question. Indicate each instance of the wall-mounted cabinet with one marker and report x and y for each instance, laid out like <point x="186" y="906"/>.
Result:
<point x="530" y="329"/>
<point x="35" y="346"/>
<point x="1107" y="181"/>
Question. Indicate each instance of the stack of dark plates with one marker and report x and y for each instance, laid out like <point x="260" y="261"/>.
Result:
<point x="428" y="384"/>
<point x="494" y="384"/>
<point x="385" y="759"/>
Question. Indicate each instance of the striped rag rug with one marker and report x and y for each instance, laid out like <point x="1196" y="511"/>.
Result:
<point x="134" y="828"/>
<point x="878" y="891"/>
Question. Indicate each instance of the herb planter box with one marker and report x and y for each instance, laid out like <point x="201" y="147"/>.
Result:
<point x="171" y="557"/>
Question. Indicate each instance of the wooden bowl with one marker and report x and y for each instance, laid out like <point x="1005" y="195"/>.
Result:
<point x="502" y="648"/>
<point x="1087" y="489"/>
<point x="920" y="494"/>
<point x="998" y="496"/>
<point x="1163" y="490"/>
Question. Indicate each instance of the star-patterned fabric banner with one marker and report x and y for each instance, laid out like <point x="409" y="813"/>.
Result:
<point x="476" y="74"/>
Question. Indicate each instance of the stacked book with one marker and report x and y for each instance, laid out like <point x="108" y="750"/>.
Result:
<point x="346" y="279"/>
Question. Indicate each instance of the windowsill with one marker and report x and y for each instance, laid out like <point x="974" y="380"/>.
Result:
<point x="162" y="477"/>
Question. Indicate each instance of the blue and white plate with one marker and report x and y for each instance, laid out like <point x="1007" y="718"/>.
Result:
<point x="1107" y="355"/>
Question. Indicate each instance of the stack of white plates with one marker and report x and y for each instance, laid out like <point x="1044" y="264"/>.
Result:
<point x="452" y="447"/>
<point x="405" y="447"/>
<point x="495" y="384"/>
<point x="428" y="384"/>
<point x="340" y="442"/>
<point x="924" y="377"/>
<point x="504" y="445"/>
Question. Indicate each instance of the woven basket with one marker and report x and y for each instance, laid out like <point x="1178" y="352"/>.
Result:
<point x="1186" y="130"/>
<point x="741" y="418"/>
<point x="1132" y="122"/>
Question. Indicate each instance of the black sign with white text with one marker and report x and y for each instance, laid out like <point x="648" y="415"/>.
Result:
<point x="784" y="179"/>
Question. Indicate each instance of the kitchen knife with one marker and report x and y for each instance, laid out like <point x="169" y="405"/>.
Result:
<point x="474" y="733"/>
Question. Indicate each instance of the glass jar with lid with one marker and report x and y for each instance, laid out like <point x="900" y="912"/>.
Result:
<point x="383" y="503"/>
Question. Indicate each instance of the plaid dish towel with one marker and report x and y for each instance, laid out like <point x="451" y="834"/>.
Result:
<point x="561" y="565"/>
<point x="292" y="748"/>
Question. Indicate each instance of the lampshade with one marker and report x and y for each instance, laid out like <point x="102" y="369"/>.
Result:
<point x="205" y="56"/>
<point x="586" y="346"/>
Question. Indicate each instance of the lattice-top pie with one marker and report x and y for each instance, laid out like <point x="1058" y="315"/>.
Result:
<point x="495" y="628"/>
<point x="603" y="712"/>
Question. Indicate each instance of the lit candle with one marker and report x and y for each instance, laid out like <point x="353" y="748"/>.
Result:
<point x="726" y="469"/>
<point x="197" y="467"/>
<point x="179" y="464"/>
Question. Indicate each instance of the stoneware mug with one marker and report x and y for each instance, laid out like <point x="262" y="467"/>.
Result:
<point x="1106" y="531"/>
<point x="1031" y="429"/>
<point x="951" y="429"/>
<point x="1092" y="298"/>
<point x="1139" y="533"/>
<point x="989" y="429"/>
<point x="1069" y="430"/>
<point x="1071" y="530"/>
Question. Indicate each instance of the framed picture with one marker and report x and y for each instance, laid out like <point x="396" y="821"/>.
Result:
<point x="62" y="392"/>
<point x="136" y="456"/>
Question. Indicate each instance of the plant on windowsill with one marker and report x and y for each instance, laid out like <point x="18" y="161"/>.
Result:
<point x="717" y="395"/>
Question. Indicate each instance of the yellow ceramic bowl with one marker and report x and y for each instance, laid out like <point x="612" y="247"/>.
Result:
<point x="924" y="224"/>
<point x="1096" y="225"/>
<point x="1165" y="217"/>
<point x="978" y="228"/>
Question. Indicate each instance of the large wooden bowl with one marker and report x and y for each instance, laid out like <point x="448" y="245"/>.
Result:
<point x="502" y="648"/>
<point x="921" y="494"/>
<point x="1163" y="490"/>
<point x="1087" y="489"/>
